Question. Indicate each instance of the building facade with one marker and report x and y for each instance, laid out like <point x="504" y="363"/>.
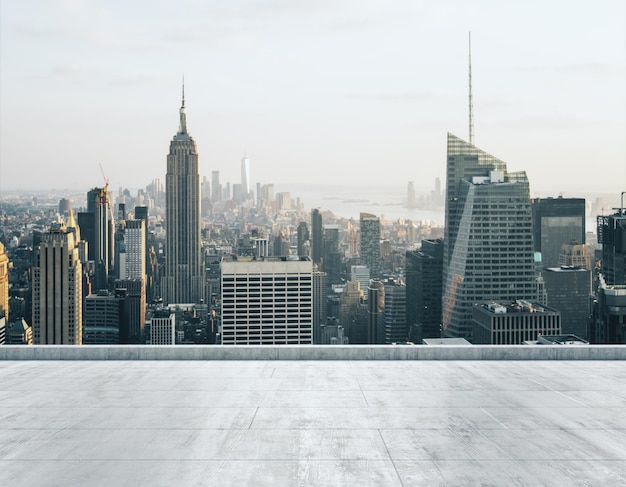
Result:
<point x="370" y="243"/>
<point x="4" y="282"/>
<point x="513" y="323"/>
<point x="267" y="302"/>
<point x="488" y="243"/>
<point x="424" y="271"/>
<point x="57" y="289"/>
<point x="612" y="236"/>
<point x="556" y="222"/>
<point x="183" y="280"/>
<point x="569" y="290"/>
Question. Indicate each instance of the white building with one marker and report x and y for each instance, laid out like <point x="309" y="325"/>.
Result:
<point x="267" y="301"/>
<point x="162" y="328"/>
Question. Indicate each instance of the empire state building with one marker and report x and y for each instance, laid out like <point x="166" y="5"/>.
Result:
<point x="183" y="280"/>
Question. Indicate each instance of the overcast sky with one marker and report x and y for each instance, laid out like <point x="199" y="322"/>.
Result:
<point x="320" y="91"/>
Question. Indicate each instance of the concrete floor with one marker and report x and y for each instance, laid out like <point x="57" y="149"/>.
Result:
<point x="318" y="423"/>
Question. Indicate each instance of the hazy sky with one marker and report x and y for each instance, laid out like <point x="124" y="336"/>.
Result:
<point x="325" y="91"/>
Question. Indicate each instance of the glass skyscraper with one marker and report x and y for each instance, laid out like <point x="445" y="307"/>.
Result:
<point x="488" y="244"/>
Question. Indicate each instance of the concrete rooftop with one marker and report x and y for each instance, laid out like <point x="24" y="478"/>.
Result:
<point x="317" y="423"/>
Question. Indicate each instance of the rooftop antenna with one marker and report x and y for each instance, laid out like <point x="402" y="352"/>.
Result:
<point x="471" y="98"/>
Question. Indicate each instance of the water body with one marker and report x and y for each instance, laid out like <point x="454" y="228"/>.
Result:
<point x="386" y="202"/>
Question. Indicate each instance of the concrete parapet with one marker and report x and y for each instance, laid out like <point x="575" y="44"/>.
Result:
<point x="313" y="352"/>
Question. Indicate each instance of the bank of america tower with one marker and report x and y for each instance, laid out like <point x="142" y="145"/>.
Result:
<point x="183" y="280"/>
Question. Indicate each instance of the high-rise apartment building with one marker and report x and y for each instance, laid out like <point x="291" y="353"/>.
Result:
<point x="183" y="281"/>
<point x="162" y="328"/>
<point x="267" y="302"/>
<point x="370" y="243"/>
<point x="488" y="244"/>
<point x="394" y="322"/>
<point x="216" y="187"/>
<point x="103" y="318"/>
<point x="4" y="282"/>
<point x="135" y="246"/>
<point x="57" y="288"/>
<point x="557" y="222"/>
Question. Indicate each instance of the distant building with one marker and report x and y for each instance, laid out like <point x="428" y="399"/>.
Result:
<point x="303" y="237"/>
<point x="361" y="274"/>
<point x="612" y="236"/>
<point x="513" y="323"/>
<point x="569" y="289"/>
<point x="317" y="236"/>
<point x="103" y="317"/>
<point x="267" y="302"/>
<point x="4" y="282"/>
<point x="320" y="303"/>
<point x="556" y="222"/>
<point x="608" y="315"/>
<point x="424" y="272"/>
<point x="575" y="255"/>
<point x="57" y="289"/>
<point x="370" y="243"/>
<point x="162" y="328"/>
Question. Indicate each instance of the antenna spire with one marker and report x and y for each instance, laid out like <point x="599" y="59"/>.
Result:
<point x="471" y="97"/>
<point x="183" y="90"/>
<point x="182" y="128"/>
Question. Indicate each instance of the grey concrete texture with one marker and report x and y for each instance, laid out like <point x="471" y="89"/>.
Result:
<point x="313" y="352"/>
<point x="312" y="423"/>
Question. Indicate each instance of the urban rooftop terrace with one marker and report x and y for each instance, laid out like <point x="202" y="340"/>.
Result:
<point x="347" y="415"/>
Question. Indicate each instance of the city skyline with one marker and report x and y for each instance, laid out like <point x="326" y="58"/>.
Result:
<point x="354" y="87"/>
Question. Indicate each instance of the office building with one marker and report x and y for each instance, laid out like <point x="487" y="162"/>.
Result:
<point x="4" y="282"/>
<point x="320" y="303"/>
<point x="216" y="187"/>
<point x="97" y="228"/>
<point x="332" y="256"/>
<point x="183" y="280"/>
<point x="568" y="290"/>
<point x="607" y="324"/>
<point x="394" y="320"/>
<point x="132" y="326"/>
<point x="303" y="238"/>
<point x="361" y="274"/>
<point x="267" y="302"/>
<point x="317" y="236"/>
<point x="370" y="243"/>
<point x="556" y="222"/>
<point x="575" y="255"/>
<point x="162" y="328"/>
<point x="103" y="317"/>
<point x="135" y="248"/>
<point x="488" y="243"/>
<point x="57" y="289"/>
<point x="612" y="236"/>
<point x="424" y="272"/>
<point x="513" y="323"/>
<point x="375" y="312"/>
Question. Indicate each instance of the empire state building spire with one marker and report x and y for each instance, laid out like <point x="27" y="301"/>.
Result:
<point x="182" y="129"/>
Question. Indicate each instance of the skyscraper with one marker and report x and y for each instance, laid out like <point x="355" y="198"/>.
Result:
<point x="370" y="243"/>
<point x="557" y="222"/>
<point x="183" y="281"/>
<point x="423" y="290"/>
<point x="317" y="236"/>
<point x="303" y="237"/>
<point x="488" y="244"/>
<point x="612" y="236"/>
<point x="245" y="178"/>
<point x="57" y="288"/>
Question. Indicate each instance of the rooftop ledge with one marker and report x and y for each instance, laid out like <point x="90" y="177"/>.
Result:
<point x="313" y="352"/>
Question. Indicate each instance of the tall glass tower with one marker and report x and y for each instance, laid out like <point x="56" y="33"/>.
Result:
<point x="183" y="280"/>
<point x="370" y="243"/>
<point x="488" y="244"/>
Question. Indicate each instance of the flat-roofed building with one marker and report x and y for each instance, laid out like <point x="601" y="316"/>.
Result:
<point x="513" y="323"/>
<point x="267" y="301"/>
